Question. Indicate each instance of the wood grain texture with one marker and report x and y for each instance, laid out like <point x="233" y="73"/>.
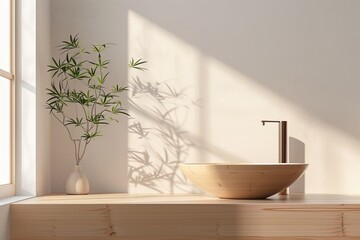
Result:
<point x="185" y="217"/>
<point x="245" y="180"/>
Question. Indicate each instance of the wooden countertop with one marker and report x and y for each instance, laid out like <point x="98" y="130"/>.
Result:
<point x="124" y="198"/>
<point x="185" y="217"/>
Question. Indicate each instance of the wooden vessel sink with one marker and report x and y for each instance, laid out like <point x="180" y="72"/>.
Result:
<point x="243" y="181"/>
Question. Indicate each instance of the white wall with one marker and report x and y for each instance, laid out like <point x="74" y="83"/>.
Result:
<point x="26" y="98"/>
<point x="43" y="121"/>
<point x="241" y="61"/>
<point x="33" y="122"/>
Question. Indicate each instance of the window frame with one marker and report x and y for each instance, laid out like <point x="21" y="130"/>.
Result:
<point x="8" y="190"/>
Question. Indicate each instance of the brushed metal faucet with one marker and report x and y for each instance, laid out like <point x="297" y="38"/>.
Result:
<point x="282" y="144"/>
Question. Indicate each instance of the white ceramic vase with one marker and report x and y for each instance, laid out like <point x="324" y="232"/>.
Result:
<point x="77" y="182"/>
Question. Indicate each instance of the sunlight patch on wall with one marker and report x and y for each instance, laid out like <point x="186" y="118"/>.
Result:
<point x="190" y="107"/>
<point x="236" y="106"/>
<point x="26" y="102"/>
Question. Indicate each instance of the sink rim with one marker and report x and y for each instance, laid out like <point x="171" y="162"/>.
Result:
<point x="246" y="164"/>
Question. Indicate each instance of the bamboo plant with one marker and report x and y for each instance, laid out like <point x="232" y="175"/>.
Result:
<point x="78" y="97"/>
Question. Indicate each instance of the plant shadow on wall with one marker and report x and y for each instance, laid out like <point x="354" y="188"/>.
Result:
<point x="161" y="141"/>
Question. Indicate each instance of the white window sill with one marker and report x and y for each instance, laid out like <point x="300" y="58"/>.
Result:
<point x="9" y="200"/>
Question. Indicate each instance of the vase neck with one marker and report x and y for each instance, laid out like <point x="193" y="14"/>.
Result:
<point x="77" y="168"/>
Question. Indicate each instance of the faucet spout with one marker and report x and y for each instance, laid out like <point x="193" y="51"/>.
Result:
<point x="269" y="121"/>
<point x="282" y="139"/>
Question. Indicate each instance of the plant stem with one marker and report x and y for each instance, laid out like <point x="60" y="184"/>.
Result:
<point x="84" y="150"/>
<point x="68" y="130"/>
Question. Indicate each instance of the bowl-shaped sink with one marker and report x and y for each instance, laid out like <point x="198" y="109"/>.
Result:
<point x="243" y="181"/>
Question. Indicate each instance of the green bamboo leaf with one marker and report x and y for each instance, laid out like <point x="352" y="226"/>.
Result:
<point x="96" y="106"/>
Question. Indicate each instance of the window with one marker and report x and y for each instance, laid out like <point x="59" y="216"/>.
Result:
<point x="7" y="82"/>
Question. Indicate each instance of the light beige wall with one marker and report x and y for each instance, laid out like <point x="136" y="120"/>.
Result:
<point x="43" y="137"/>
<point x="241" y="62"/>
